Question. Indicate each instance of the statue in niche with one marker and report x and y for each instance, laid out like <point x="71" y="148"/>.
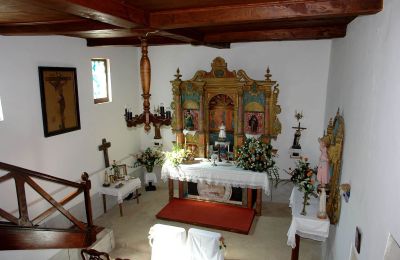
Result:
<point x="222" y="132"/>
<point x="189" y="120"/>
<point x="253" y="123"/>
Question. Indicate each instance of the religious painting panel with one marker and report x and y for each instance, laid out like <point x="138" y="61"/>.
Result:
<point x="254" y="123"/>
<point x="59" y="97"/>
<point x="191" y="119"/>
<point x="217" y="116"/>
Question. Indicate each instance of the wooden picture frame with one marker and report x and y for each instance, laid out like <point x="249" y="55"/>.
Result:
<point x="59" y="97"/>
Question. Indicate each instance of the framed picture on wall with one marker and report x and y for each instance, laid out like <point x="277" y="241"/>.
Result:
<point x="59" y="96"/>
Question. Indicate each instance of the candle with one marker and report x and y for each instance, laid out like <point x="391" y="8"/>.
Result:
<point x="168" y="114"/>
<point x="162" y="111"/>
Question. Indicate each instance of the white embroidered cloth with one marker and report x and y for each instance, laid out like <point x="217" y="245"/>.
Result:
<point x="150" y="177"/>
<point x="204" y="245"/>
<point x="167" y="242"/>
<point x="308" y="226"/>
<point x="128" y="187"/>
<point x="223" y="174"/>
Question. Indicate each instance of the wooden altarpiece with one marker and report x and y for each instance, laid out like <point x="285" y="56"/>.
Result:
<point x="334" y="140"/>
<point x="231" y="97"/>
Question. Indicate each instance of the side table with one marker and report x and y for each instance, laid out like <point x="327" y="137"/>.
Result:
<point x="308" y="226"/>
<point x="121" y="192"/>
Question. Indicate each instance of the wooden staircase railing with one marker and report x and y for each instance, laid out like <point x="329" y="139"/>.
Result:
<point x="20" y="233"/>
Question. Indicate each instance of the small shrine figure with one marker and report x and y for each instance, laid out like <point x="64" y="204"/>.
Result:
<point x="322" y="177"/>
<point x="297" y="134"/>
<point x="222" y="133"/>
<point x="323" y="164"/>
<point x="189" y="120"/>
<point x="253" y="123"/>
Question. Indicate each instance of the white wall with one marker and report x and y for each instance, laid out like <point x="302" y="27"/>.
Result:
<point x="364" y="82"/>
<point x="301" y="69"/>
<point x="66" y="155"/>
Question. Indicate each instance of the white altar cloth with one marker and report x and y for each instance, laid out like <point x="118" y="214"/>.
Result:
<point x="308" y="226"/>
<point x="128" y="187"/>
<point x="223" y="174"/>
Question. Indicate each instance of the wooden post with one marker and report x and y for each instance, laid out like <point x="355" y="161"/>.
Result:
<point x="181" y="189"/>
<point x="259" y="202"/>
<point x="121" y="214"/>
<point x="295" y="251"/>
<point x="171" y="188"/>
<point x="104" y="147"/>
<point x="249" y="198"/>
<point x="88" y="203"/>
<point x="104" y="203"/>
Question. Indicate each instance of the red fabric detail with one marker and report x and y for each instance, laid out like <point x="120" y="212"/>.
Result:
<point x="209" y="214"/>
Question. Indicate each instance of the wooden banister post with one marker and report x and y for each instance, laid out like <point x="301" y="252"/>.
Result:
<point x="88" y="203"/>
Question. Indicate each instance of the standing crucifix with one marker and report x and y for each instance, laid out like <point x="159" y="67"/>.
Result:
<point x="104" y="147"/>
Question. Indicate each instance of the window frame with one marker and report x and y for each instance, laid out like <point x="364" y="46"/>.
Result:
<point x="108" y="83"/>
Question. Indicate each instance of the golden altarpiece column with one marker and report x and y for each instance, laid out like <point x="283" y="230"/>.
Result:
<point x="246" y="107"/>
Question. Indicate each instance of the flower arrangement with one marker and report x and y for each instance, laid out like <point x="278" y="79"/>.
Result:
<point x="178" y="155"/>
<point x="257" y="156"/>
<point x="151" y="157"/>
<point x="304" y="177"/>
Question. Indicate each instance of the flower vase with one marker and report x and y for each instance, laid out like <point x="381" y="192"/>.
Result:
<point x="149" y="168"/>
<point x="305" y="203"/>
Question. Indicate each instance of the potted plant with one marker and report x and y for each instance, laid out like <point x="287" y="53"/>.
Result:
<point x="255" y="155"/>
<point x="151" y="157"/>
<point x="303" y="176"/>
<point x="179" y="155"/>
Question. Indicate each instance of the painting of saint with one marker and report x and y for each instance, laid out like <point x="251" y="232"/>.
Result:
<point x="254" y="123"/>
<point x="190" y="119"/>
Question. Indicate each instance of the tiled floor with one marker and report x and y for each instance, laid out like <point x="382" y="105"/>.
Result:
<point x="266" y="241"/>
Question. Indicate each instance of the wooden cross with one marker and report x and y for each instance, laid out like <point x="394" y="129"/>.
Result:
<point x="104" y="147"/>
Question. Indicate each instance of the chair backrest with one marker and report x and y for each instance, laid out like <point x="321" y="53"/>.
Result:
<point x="167" y="242"/>
<point x="91" y="254"/>
<point x="204" y="245"/>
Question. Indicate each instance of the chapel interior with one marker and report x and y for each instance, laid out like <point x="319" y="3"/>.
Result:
<point x="314" y="83"/>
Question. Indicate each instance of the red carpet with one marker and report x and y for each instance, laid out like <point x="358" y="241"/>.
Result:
<point x="209" y="214"/>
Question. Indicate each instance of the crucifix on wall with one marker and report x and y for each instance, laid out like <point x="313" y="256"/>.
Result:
<point x="104" y="147"/>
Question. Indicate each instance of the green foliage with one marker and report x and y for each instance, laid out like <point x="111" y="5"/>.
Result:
<point x="304" y="176"/>
<point x="257" y="156"/>
<point x="178" y="155"/>
<point x="151" y="157"/>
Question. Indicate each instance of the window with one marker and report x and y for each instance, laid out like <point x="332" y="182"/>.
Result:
<point x="101" y="81"/>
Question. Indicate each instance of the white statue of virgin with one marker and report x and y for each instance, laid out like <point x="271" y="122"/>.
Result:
<point x="222" y="133"/>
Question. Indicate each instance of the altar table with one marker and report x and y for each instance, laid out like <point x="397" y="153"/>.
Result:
<point x="128" y="187"/>
<point x="308" y="226"/>
<point x="223" y="174"/>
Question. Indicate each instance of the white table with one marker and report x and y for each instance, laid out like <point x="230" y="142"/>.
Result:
<point x="223" y="174"/>
<point x="128" y="187"/>
<point x="308" y="226"/>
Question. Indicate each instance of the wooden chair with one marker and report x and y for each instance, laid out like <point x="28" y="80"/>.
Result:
<point x="91" y="254"/>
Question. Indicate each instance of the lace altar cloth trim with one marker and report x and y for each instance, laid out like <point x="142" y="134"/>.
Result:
<point x="218" y="175"/>
<point x="308" y="226"/>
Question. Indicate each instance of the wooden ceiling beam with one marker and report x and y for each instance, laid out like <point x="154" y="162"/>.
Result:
<point x="111" y="11"/>
<point x="74" y="26"/>
<point x="130" y="41"/>
<point x="192" y="37"/>
<point x="308" y="33"/>
<point x="267" y="11"/>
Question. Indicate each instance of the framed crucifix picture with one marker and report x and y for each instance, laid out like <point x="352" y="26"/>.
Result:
<point x="59" y="96"/>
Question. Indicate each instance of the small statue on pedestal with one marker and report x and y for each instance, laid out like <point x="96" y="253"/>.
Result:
<point x="297" y="134"/>
<point x="222" y="133"/>
<point x="322" y="177"/>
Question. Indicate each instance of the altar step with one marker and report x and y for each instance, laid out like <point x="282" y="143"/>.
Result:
<point x="209" y="214"/>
